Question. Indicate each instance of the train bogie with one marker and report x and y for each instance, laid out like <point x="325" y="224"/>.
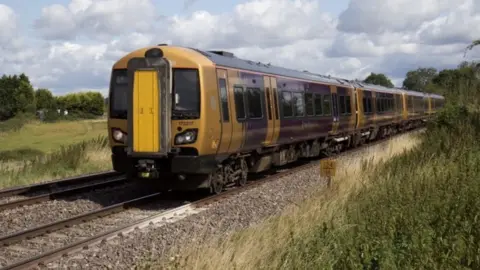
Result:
<point x="209" y="118"/>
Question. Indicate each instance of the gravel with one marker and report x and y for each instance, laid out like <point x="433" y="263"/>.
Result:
<point x="239" y="211"/>
<point x="29" y="216"/>
<point x="53" y="188"/>
<point x="30" y="248"/>
<point x="236" y="212"/>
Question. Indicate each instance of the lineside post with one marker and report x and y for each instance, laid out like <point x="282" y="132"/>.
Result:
<point x="328" y="169"/>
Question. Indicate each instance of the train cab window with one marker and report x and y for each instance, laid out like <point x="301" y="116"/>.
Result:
<point x="299" y="107"/>
<point x="254" y="101"/>
<point x="222" y="83"/>
<point x="309" y="104"/>
<point x="327" y="105"/>
<point x="287" y="104"/>
<point x="318" y="105"/>
<point x="348" y="105"/>
<point x="239" y="102"/>
<point x="186" y="84"/>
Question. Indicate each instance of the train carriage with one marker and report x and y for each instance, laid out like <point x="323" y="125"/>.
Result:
<point x="209" y="118"/>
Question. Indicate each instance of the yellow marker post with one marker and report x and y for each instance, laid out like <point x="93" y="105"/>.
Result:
<point x="328" y="168"/>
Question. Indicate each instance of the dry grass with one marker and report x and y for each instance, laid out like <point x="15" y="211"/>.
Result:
<point x="256" y="247"/>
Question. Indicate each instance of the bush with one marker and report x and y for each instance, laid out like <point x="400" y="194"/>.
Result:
<point x="421" y="210"/>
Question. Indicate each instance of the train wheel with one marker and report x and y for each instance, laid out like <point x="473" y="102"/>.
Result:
<point x="217" y="182"/>
<point x="243" y="177"/>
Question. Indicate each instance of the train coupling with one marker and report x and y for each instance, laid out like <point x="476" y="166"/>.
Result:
<point x="146" y="169"/>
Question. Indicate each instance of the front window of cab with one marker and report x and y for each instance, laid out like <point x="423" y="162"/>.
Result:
<point x="185" y="99"/>
<point x="186" y="94"/>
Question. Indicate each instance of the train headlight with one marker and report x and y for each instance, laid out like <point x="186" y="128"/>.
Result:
<point x="119" y="136"/>
<point x="189" y="136"/>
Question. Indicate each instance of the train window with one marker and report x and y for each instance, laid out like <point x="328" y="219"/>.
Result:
<point x="348" y="105"/>
<point x="239" y="102"/>
<point x="254" y="103"/>
<point x="318" y="105"/>
<point x="275" y="102"/>
<point x="269" y="109"/>
<point x="299" y="107"/>
<point x="342" y="106"/>
<point x="309" y="106"/>
<point x="287" y="104"/>
<point x="327" y="105"/>
<point x="186" y="84"/>
<point x="222" y="83"/>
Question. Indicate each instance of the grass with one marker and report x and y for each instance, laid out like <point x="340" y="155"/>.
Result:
<point x="417" y="210"/>
<point x="36" y="137"/>
<point x="37" y="152"/>
<point x="265" y="245"/>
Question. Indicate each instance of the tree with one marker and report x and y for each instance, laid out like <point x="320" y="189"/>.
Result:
<point x="472" y="45"/>
<point x="44" y="99"/>
<point x="379" y="79"/>
<point x="16" y="96"/>
<point x="419" y="79"/>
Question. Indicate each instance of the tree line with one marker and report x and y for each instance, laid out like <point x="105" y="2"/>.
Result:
<point x="17" y="96"/>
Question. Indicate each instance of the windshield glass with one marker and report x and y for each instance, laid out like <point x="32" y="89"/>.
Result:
<point x="186" y="86"/>
<point x="186" y="90"/>
<point x="118" y="94"/>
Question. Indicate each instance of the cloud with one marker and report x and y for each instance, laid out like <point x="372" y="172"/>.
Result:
<point x="77" y="43"/>
<point x="101" y="18"/>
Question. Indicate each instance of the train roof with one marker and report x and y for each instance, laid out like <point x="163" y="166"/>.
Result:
<point x="414" y="93"/>
<point x="436" y="96"/>
<point x="227" y="59"/>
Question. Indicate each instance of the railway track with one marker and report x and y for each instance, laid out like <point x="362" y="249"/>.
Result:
<point x="31" y="194"/>
<point x="19" y="241"/>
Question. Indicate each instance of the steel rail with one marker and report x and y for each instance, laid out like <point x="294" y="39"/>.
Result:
<point x="64" y="193"/>
<point x="177" y="212"/>
<point x="50" y="185"/>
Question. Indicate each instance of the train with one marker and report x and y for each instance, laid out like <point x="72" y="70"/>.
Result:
<point x="193" y="119"/>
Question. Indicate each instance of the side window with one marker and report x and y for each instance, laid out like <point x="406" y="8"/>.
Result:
<point x="327" y="105"/>
<point x="365" y="105"/>
<point x="309" y="107"/>
<point x="348" y="105"/>
<point x="239" y="102"/>
<point x="318" y="105"/>
<point x="254" y="101"/>
<point x="341" y="101"/>
<point x="269" y="109"/>
<point x="222" y="83"/>
<point x="287" y="104"/>
<point x="275" y="102"/>
<point x="299" y="107"/>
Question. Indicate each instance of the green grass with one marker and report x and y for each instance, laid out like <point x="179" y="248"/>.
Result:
<point x="418" y="210"/>
<point x="47" y="137"/>
<point x="38" y="152"/>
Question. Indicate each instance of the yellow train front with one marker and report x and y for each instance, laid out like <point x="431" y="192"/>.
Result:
<point x="163" y="117"/>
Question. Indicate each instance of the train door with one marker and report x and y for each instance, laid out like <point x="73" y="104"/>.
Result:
<point x="336" y="118"/>
<point x="272" y="114"/>
<point x="225" y="111"/>
<point x="269" y="109"/>
<point x="275" y="111"/>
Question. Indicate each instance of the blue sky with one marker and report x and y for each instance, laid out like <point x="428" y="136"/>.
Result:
<point x="72" y="48"/>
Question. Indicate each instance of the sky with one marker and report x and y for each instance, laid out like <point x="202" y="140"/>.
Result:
<point x="71" y="45"/>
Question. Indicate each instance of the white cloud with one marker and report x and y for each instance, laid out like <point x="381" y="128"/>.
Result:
<point x="100" y="18"/>
<point x="8" y="24"/>
<point x="80" y="41"/>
